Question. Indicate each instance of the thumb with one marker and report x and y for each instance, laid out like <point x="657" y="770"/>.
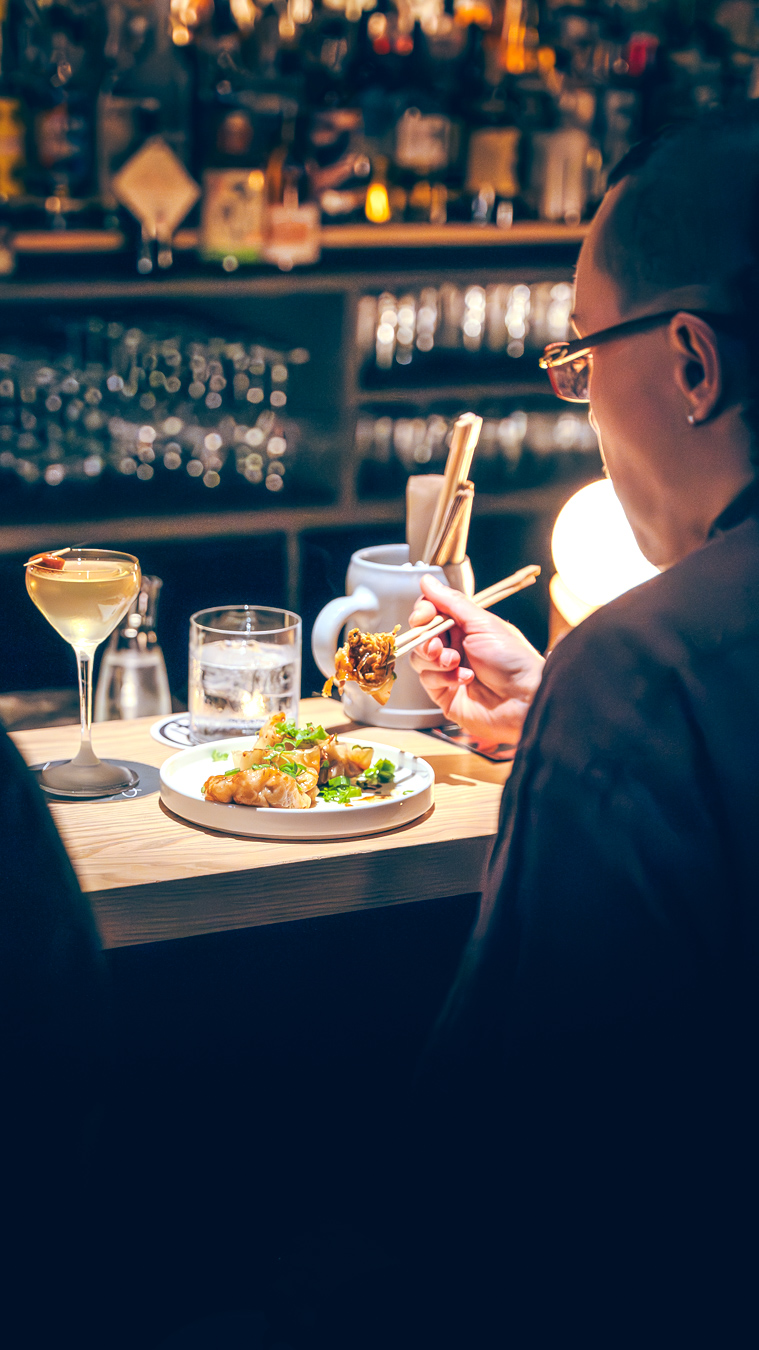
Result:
<point x="453" y="603"/>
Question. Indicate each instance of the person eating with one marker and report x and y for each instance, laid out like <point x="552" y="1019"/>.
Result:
<point x="597" y="1051"/>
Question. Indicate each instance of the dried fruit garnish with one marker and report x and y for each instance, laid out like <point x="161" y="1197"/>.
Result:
<point x="49" y="560"/>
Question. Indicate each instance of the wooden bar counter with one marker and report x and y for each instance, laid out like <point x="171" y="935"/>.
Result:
<point x="152" y="877"/>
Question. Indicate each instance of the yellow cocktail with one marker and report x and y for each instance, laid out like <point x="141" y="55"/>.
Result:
<point x="85" y="599"/>
<point x="84" y="593"/>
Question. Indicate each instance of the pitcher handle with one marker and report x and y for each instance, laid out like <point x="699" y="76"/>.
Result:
<point x="326" y="630"/>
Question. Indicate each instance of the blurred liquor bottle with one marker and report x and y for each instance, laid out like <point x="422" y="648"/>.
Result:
<point x="337" y="70"/>
<point x="59" y="54"/>
<point x="251" y="151"/>
<point x="147" y="87"/>
<point x="427" y="131"/>
<point x="492" y="113"/>
<point x="292" y="225"/>
<point x="12" y="128"/>
<point x="246" y="104"/>
<point x="423" y="110"/>
<point x="339" y="168"/>
<point x="231" y="142"/>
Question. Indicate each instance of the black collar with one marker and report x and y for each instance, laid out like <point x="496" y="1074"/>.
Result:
<point x="742" y="506"/>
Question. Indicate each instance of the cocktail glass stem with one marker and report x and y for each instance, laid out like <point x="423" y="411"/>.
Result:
<point x="86" y="754"/>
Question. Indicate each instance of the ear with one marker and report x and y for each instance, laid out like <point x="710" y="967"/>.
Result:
<point x="698" y="368"/>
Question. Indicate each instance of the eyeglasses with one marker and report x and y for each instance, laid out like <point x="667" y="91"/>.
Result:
<point x="569" y="363"/>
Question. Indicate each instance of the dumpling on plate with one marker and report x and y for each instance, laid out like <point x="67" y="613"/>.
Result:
<point x="287" y="766"/>
<point x="264" y="785"/>
<point x="302" y="764"/>
<point x="271" y="731"/>
<point x="348" y="761"/>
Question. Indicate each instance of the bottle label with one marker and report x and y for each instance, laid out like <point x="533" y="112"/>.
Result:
<point x="232" y="222"/>
<point x="54" y="137"/>
<point x="493" y="160"/>
<point x="422" y="142"/>
<point x="293" y="235"/>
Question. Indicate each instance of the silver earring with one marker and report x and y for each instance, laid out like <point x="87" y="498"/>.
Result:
<point x="691" y="420"/>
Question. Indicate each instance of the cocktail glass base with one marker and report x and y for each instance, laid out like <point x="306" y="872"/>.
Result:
<point x="65" y="778"/>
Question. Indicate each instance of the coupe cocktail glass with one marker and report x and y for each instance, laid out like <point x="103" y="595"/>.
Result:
<point x="84" y="593"/>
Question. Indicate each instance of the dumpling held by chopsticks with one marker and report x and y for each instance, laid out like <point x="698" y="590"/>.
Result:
<point x="369" y="660"/>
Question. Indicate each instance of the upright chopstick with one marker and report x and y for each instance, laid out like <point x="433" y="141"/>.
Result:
<point x="466" y="433"/>
<point x="455" y="531"/>
<point x="500" y="590"/>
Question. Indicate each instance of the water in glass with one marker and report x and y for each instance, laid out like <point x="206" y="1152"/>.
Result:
<point x="235" y="686"/>
<point x="244" y="666"/>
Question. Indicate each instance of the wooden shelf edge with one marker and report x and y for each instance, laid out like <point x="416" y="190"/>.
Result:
<point x="333" y="237"/>
<point x="454" y="235"/>
<point x="306" y="281"/>
<point x="16" y="539"/>
<point x="466" y="393"/>
<point x="68" y="241"/>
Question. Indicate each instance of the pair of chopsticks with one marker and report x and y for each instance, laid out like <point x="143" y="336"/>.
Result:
<point x="500" y="590"/>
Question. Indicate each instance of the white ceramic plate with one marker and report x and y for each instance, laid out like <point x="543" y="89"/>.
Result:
<point x="183" y="776"/>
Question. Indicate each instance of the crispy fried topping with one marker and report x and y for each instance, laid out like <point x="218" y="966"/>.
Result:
<point x="369" y="660"/>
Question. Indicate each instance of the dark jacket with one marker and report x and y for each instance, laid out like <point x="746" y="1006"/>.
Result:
<point x="598" y="1058"/>
<point x="53" y="1042"/>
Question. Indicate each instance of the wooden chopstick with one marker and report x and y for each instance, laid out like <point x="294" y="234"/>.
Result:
<point x="500" y="590"/>
<point x="461" y="504"/>
<point x="486" y="598"/>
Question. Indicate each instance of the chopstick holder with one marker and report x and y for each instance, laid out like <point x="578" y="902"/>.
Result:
<point x="422" y="494"/>
<point x="460" y="576"/>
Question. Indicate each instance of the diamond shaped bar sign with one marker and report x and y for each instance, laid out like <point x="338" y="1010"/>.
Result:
<point x="156" y="187"/>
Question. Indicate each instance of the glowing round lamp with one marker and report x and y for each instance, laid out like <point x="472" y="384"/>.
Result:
<point x="594" y="553"/>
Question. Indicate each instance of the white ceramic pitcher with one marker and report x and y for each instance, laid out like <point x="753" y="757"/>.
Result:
<point x="382" y="587"/>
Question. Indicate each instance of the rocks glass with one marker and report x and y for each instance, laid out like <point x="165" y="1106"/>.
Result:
<point x="244" y="666"/>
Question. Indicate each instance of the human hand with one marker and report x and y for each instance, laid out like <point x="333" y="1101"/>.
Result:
<point x="489" y="697"/>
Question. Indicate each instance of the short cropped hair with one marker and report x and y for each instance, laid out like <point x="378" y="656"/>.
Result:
<point x="689" y="215"/>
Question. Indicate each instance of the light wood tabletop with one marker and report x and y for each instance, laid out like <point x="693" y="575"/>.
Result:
<point x="152" y="877"/>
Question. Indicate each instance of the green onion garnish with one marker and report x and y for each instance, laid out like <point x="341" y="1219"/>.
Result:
<point x="288" y="733"/>
<point x="381" y="772"/>
<point x="342" y="794"/>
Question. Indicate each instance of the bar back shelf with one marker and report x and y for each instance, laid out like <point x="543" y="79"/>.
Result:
<point x="333" y="486"/>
